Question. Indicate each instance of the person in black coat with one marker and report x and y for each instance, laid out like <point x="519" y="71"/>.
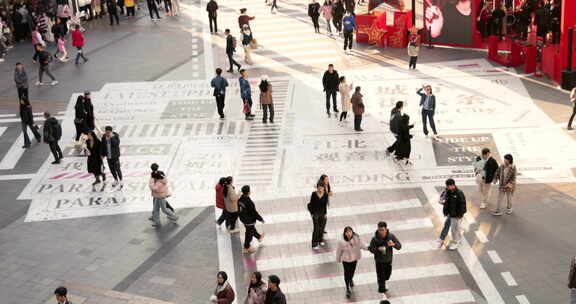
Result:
<point x="403" y="143"/>
<point x="381" y="246"/>
<point x="330" y="82"/>
<point x="395" y="117"/>
<point x="112" y="8"/>
<point x="52" y="134"/>
<point x="27" y="120"/>
<point x="314" y="13"/>
<point x="248" y="216"/>
<point x="337" y="15"/>
<point x="111" y="150"/>
<point x="454" y="209"/>
<point x="317" y="207"/>
<point x="94" y="152"/>
<point x="212" y="8"/>
<point x="80" y="117"/>
<point x="230" y="50"/>
<point x="274" y="294"/>
<point x="490" y="168"/>
<point x="90" y="120"/>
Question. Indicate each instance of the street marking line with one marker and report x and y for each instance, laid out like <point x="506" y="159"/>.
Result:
<point x="2" y="130"/>
<point x="494" y="256"/>
<point x="522" y="299"/>
<point x="508" y="278"/>
<point x="344" y="211"/>
<point x="329" y="257"/>
<point x="472" y="262"/>
<point x="402" y="274"/>
<point x="320" y="52"/>
<point x="16" y="177"/>
<point x="481" y="237"/>
<point x="13" y="155"/>
<point x="446" y="297"/>
<point x="308" y="61"/>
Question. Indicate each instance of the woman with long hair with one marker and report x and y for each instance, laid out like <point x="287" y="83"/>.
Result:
<point x="219" y="188"/>
<point x="266" y="99"/>
<point x="223" y="294"/>
<point x="256" y="289"/>
<point x="345" y="90"/>
<point x="404" y="146"/>
<point x="94" y="152"/>
<point x="231" y="205"/>
<point x="317" y="207"/>
<point x="348" y="253"/>
<point x="80" y="121"/>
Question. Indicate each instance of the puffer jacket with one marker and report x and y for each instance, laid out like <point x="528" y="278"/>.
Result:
<point x="350" y="251"/>
<point x="159" y="188"/>
<point x="231" y="201"/>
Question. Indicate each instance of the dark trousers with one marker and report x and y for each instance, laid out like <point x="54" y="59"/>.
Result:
<point x="349" y="269"/>
<point x="343" y="115"/>
<point x="114" y="15"/>
<point x="337" y="21"/>
<point x="153" y="9"/>
<point x="231" y="219"/>
<point x="392" y="148"/>
<point x="114" y="166"/>
<point x="79" y="130"/>
<point x="232" y="61"/>
<point x="168" y="5"/>
<point x="572" y="116"/>
<point x="130" y="11"/>
<point x="497" y="27"/>
<point x="212" y="19"/>
<point x="265" y="109"/>
<point x="80" y="54"/>
<point x="251" y="232"/>
<point x="249" y="102"/>
<point x="22" y="93"/>
<point x="55" y="149"/>
<point x="348" y="36"/>
<point x="428" y="115"/>
<point x="220" y="105"/>
<point x="274" y="6"/>
<point x="316" y="24"/>
<point x="413" y="60"/>
<point x="122" y="9"/>
<point x="34" y="131"/>
<point x="383" y="272"/>
<point x="331" y="93"/>
<point x="44" y="69"/>
<point x="319" y="221"/>
<point x="222" y="217"/>
<point x="357" y="122"/>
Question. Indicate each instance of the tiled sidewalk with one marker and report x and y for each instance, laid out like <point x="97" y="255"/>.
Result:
<point x="81" y="294"/>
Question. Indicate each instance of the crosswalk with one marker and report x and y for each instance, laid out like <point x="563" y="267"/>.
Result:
<point x="209" y="129"/>
<point x="423" y="273"/>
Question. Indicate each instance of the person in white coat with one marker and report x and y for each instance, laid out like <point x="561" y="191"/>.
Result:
<point x="345" y="90"/>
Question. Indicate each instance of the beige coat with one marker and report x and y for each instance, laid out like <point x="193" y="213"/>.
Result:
<point x="504" y="176"/>
<point x="231" y="201"/>
<point x="266" y="97"/>
<point x="350" y="251"/>
<point x="159" y="188"/>
<point x="413" y="51"/>
<point x="345" y="91"/>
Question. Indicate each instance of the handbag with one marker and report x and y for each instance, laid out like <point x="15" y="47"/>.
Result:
<point x="254" y="43"/>
<point x="246" y="108"/>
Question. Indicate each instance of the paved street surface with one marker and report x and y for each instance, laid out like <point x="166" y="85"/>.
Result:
<point x="150" y="81"/>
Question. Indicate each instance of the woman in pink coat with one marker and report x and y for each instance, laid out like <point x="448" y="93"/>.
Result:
<point x="348" y="253"/>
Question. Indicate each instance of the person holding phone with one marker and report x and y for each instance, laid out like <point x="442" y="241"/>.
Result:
<point x="382" y="246"/>
<point x="428" y="104"/>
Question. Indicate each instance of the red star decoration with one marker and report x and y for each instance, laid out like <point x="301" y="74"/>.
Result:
<point x="374" y="33"/>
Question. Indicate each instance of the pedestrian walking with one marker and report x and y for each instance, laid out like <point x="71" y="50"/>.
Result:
<point x="317" y="207"/>
<point x="168" y="8"/>
<point x="314" y="13"/>
<point x="121" y="4"/>
<point x="487" y="174"/>
<point x="246" y="94"/>
<point x="27" y="121"/>
<point x="274" y="294"/>
<point x="37" y="39"/>
<point x="454" y="203"/>
<point x="382" y="245"/>
<point x="273" y="6"/>
<point x="256" y="290"/>
<point x="337" y="15"/>
<point x="130" y="8"/>
<point x="572" y="281"/>
<point x="395" y="117"/>
<point x="112" y="7"/>
<point x="330" y="82"/>
<point x="80" y="121"/>
<point x="506" y="178"/>
<point x="573" y="101"/>
<point x="95" y="165"/>
<point x="43" y="58"/>
<point x="21" y="80"/>
<point x="111" y="150"/>
<point x="326" y="11"/>
<point x="404" y="142"/>
<point x="345" y="90"/>
<point x="60" y="30"/>
<point x="413" y="51"/>
<point x="246" y="44"/>
<point x="223" y="294"/>
<point x="358" y="109"/>
<point x="219" y="190"/>
<point x="230" y="50"/>
<point x="349" y="24"/>
<point x="153" y="9"/>
<point x="212" y="8"/>
<point x="244" y="19"/>
<point x="350" y="6"/>
<point x="266" y="100"/>
<point x="61" y="294"/>
<point x="78" y="43"/>
<point x="219" y="84"/>
<point x="349" y="253"/>
<point x="175" y="7"/>
<point x="231" y="205"/>
<point x="52" y="133"/>
<point x="158" y="185"/>
<point x="248" y="216"/>
<point x="428" y="104"/>
<point x="89" y="107"/>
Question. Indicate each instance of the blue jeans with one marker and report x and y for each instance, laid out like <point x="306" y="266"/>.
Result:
<point x="160" y="203"/>
<point x="34" y="130"/>
<point x="445" y="229"/>
<point x="428" y="115"/>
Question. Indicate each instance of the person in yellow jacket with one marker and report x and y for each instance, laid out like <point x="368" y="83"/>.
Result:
<point x="130" y="8"/>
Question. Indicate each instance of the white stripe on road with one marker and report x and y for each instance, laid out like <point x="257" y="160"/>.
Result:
<point x="2" y="130"/>
<point x="13" y="155"/>
<point x="303" y="237"/>
<point x="508" y="278"/>
<point x="277" y="33"/>
<point x="8" y="120"/>
<point x="289" y="39"/>
<point x="446" y="297"/>
<point x="522" y="299"/>
<point x="308" y="61"/>
<point x="299" y="46"/>
<point x="468" y="256"/>
<point x="16" y="177"/>
<point x="410" y="273"/>
<point x="481" y="237"/>
<point x="318" y="52"/>
<point x="343" y="211"/>
<point x="329" y="257"/>
<point x="494" y="256"/>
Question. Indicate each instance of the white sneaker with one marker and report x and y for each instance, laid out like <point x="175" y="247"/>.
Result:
<point x="384" y="296"/>
<point x="38" y="83"/>
<point x="54" y="82"/>
<point x="440" y="243"/>
<point x="322" y="244"/>
<point x="115" y="183"/>
<point x="453" y="246"/>
<point x="316" y="248"/>
<point x="509" y="211"/>
<point x="1" y="59"/>
<point x="483" y="206"/>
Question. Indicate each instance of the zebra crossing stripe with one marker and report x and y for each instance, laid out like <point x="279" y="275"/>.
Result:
<point x="443" y="297"/>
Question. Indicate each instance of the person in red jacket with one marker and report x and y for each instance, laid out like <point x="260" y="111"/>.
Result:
<point x="220" y="200"/>
<point x="78" y="43"/>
